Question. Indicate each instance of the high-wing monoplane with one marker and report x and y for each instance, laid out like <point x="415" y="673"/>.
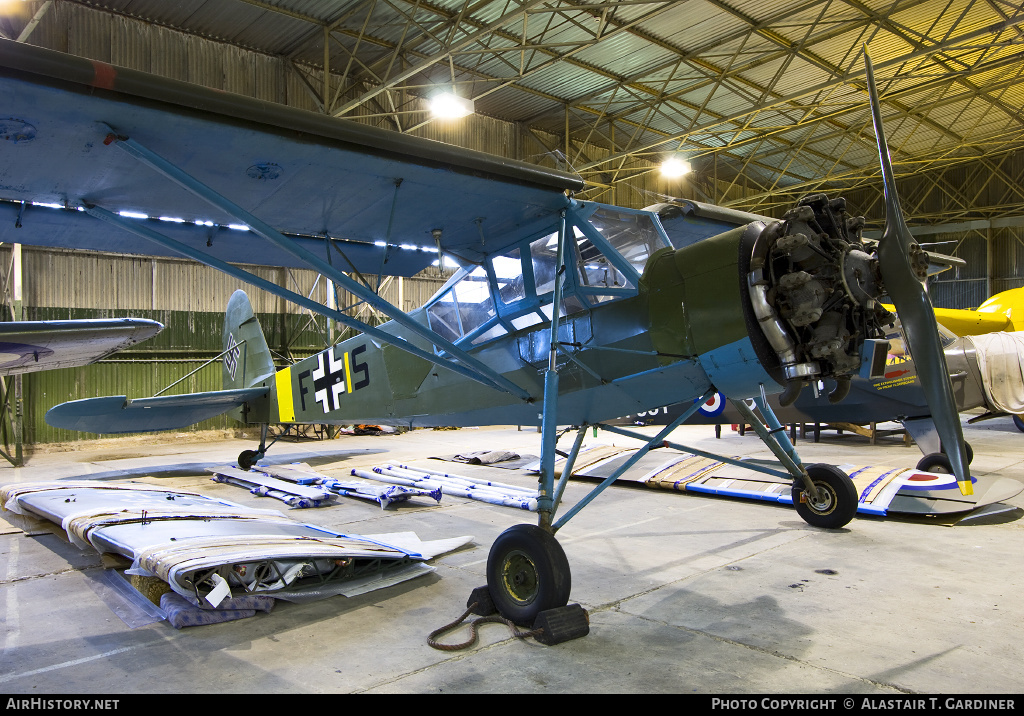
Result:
<point x="565" y="312"/>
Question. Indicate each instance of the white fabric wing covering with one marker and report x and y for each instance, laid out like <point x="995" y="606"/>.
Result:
<point x="194" y="542"/>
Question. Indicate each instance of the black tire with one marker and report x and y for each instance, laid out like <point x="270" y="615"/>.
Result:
<point x="937" y="462"/>
<point x="1018" y="422"/>
<point x="247" y="458"/>
<point x="527" y="573"/>
<point x="838" y="497"/>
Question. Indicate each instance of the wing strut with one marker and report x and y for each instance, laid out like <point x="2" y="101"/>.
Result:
<point x="549" y="419"/>
<point x="193" y="185"/>
<point x="296" y="298"/>
<point x="657" y="441"/>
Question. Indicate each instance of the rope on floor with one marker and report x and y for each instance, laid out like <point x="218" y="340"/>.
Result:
<point x="474" y="625"/>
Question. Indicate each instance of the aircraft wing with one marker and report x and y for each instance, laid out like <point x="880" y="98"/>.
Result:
<point x="118" y="414"/>
<point x="305" y="174"/>
<point x="29" y="346"/>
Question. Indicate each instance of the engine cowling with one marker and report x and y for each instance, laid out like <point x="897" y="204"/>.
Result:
<point x="815" y="288"/>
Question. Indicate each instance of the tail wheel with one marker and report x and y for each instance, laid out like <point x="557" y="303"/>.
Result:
<point x="247" y="458"/>
<point x="527" y="573"/>
<point x="837" y="497"/>
<point x="937" y="462"/>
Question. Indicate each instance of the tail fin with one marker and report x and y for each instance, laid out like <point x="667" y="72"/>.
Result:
<point x="248" y="361"/>
<point x="1010" y="304"/>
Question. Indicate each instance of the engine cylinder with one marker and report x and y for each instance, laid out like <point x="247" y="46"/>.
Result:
<point x="815" y="286"/>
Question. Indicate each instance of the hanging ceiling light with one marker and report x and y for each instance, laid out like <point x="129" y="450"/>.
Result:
<point x="15" y="8"/>
<point x="674" y="167"/>
<point x="450" y="106"/>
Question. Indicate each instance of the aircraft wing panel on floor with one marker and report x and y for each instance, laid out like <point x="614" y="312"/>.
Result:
<point x="882" y="490"/>
<point x="187" y="540"/>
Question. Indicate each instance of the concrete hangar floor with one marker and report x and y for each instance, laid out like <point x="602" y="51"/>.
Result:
<point x="685" y="593"/>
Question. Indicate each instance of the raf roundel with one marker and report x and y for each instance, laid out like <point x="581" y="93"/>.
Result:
<point x="714" y="405"/>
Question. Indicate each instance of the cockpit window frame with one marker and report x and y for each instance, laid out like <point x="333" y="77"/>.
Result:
<point x="534" y="305"/>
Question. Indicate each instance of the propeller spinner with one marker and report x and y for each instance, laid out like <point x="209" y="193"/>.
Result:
<point x="904" y="266"/>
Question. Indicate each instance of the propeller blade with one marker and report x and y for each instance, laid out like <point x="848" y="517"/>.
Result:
<point x="904" y="267"/>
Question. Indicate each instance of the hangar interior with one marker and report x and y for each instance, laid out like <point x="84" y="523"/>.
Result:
<point x="765" y="103"/>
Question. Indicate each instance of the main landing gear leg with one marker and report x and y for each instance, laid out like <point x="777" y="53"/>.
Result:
<point x="248" y="458"/>
<point x="526" y="565"/>
<point x="527" y="570"/>
<point x="823" y="495"/>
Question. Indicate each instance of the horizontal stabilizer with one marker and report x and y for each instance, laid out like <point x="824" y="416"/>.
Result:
<point x="118" y="414"/>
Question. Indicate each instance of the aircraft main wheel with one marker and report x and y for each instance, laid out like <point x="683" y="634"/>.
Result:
<point x="247" y="458"/>
<point x="837" y="503"/>
<point x="527" y="573"/>
<point x="1018" y="422"/>
<point x="970" y="452"/>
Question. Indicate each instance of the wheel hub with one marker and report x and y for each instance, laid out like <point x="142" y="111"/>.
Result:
<point x="825" y="498"/>
<point x="519" y="575"/>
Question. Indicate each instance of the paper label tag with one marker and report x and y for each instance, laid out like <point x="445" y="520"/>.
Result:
<point x="219" y="591"/>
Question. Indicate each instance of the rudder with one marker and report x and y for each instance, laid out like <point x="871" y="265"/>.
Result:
<point x="247" y="360"/>
<point x="1009" y="303"/>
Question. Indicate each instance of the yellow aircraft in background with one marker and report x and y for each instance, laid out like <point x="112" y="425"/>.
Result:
<point x="1002" y="312"/>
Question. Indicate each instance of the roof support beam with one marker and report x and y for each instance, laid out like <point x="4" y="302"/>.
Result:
<point x="846" y="78"/>
<point x="437" y="57"/>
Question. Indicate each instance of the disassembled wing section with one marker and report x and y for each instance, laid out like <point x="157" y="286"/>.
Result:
<point x="118" y="414"/>
<point x="881" y="490"/>
<point x="29" y="346"/>
<point x="213" y="549"/>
